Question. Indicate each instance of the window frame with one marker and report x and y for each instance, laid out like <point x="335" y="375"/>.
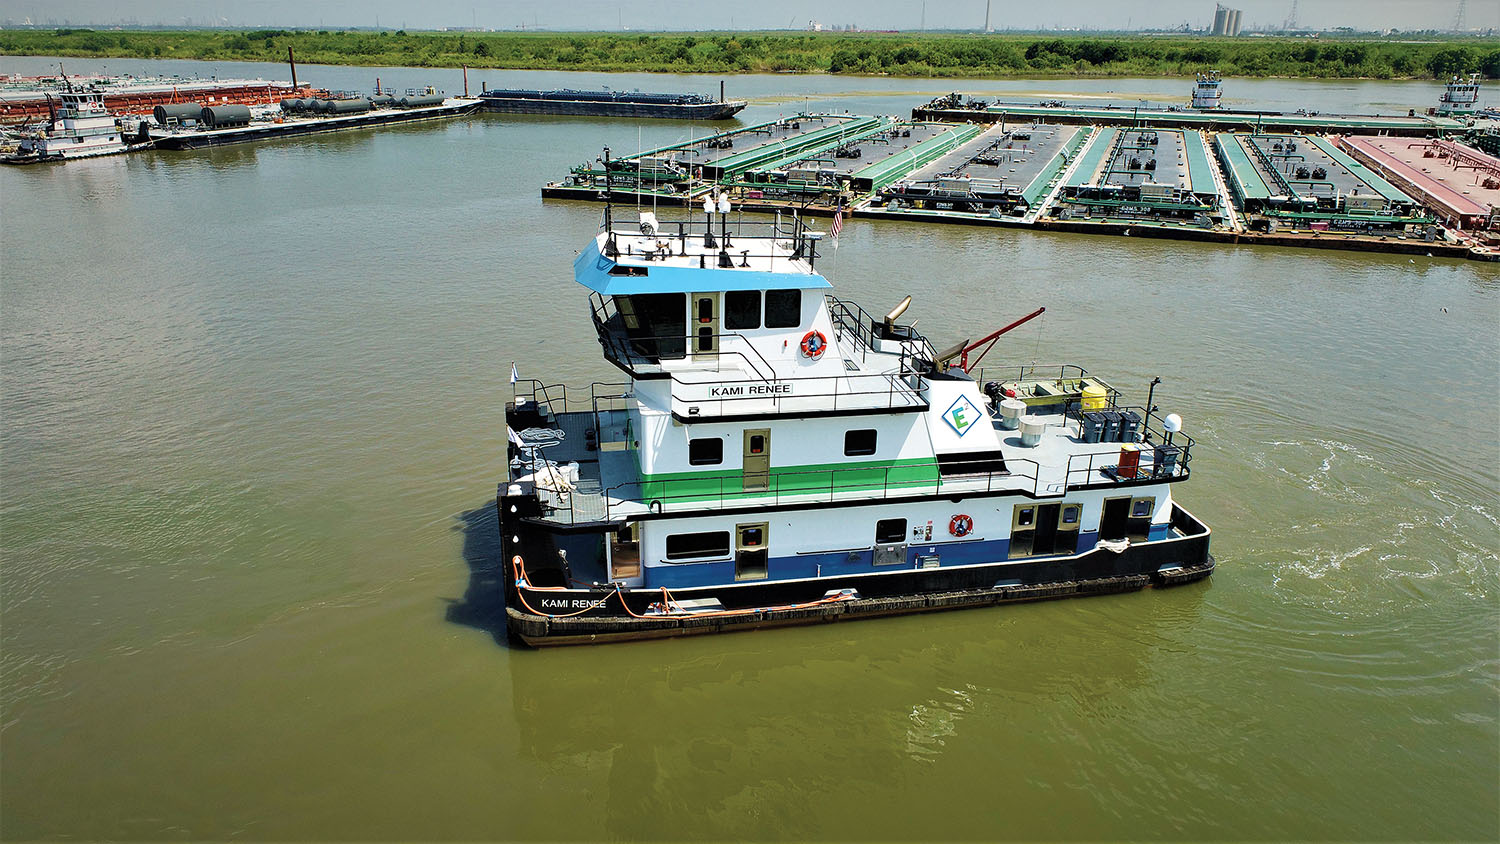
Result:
<point x="900" y="535"/>
<point x="795" y="296"/>
<point x="699" y="461"/>
<point x="862" y="452"/>
<point x="720" y="550"/>
<point x="731" y="322"/>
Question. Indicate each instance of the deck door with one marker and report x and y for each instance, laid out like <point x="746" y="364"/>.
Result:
<point x="757" y="459"/>
<point x="751" y="552"/>
<point x="704" y="320"/>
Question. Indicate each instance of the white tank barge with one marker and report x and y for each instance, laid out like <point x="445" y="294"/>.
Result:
<point x="778" y="456"/>
<point x="191" y="126"/>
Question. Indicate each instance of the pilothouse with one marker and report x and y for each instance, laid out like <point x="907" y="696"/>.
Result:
<point x="776" y="455"/>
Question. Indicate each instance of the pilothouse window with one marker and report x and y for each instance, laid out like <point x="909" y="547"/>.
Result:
<point x="783" y="308"/>
<point x="742" y="309"/>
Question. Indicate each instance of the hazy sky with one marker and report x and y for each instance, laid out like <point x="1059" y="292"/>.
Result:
<point x="756" y="14"/>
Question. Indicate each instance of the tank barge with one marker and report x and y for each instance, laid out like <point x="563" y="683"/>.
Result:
<point x="25" y="100"/>
<point x="612" y="104"/>
<point x="191" y="126"/>
<point x="778" y="456"/>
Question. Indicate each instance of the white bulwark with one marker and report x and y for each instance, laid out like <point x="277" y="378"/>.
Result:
<point x="776" y="454"/>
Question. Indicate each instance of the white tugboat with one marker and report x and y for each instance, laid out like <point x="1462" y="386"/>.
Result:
<point x="1208" y="93"/>
<point x="79" y="127"/>
<point x="1460" y="97"/>
<point x="778" y="456"/>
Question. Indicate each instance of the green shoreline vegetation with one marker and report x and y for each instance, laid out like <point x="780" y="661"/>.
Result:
<point x="892" y="54"/>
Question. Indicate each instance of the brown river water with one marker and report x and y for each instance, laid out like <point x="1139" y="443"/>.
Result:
<point x="252" y="421"/>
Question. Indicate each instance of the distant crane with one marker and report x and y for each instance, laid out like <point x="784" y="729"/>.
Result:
<point x="1461" y="17"/>
<point x="1291" y="19"/>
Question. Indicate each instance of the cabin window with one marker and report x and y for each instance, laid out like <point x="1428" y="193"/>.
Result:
<point x="683" y="546"/>
<point x="890" y="530"/>
<point x="757" y="444"/>
<point x="708" y="451"/>
<point x="1140" y="508"/>
<point x="742" y="309"/>
<point x="783" y="308"/>
<point x="1071" y="513"/>
<point x="1025" y="516"/>
<point x="859" y="443"/>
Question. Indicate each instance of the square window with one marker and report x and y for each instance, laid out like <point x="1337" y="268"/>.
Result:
<point x="1141" y="508"/>
<point x="890" y="530"/>
<point x="757" y="444"/>
<point x="752" y="537"/>
<point x="783" y="308"/>
<point x="1026" y="516"/>
<point x="742" y="309"/>
<point x="1070" y="515"/>
<point x="708" y="451"/>
<point x="858" y="443"/>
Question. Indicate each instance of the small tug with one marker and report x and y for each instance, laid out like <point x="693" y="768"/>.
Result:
<point x="79" y="127"/>
<point x="779" y="456"/>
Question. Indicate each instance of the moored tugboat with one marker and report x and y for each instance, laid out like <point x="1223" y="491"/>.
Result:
<point x="80" y="127"/>
<point x="779" y="456"/>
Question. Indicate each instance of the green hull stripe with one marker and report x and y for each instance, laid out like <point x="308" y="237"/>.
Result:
<point x="819" y="477"/>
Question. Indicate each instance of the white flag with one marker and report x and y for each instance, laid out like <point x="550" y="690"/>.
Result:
<point x="514" y="375"/>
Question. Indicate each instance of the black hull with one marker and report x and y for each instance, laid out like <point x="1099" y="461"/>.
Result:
<point x="540" y="617"/>
<point x="272" y="131"/>
<point x="693" y="111"/>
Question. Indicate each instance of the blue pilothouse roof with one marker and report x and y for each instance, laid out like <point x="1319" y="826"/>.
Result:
<point x="683" y="257"/>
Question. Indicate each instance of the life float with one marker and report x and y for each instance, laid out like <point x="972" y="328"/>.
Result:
<point x="814" y="344"/>
<point x="960" y="525"/>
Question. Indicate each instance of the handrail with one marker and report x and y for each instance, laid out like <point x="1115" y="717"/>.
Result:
<point x="617" y="344"/>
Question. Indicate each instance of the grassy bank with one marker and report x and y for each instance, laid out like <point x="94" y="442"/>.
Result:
<point x="903" y="54"/>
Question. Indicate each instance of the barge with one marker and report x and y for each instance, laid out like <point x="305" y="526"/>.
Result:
<point x="776" y="455"/>
<point x="216" y="126"/>
<point x="612" y="104"/>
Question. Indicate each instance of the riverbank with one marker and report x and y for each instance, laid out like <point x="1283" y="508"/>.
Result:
<point x="939" y="55"/>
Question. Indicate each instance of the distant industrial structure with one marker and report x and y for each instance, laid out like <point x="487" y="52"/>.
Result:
<point x="1226" y="20"/>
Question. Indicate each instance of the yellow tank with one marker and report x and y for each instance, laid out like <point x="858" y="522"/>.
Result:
<point x="1095" y="397"/>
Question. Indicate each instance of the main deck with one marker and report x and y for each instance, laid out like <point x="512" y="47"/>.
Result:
<point x="588" y="435"/>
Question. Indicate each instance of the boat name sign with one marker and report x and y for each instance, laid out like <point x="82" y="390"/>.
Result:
<point x="773" y="388"/>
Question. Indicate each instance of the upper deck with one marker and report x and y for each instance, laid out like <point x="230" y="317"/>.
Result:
<point x="734" y="321"/>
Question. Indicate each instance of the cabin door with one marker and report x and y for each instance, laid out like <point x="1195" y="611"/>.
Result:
<point x="705" y="325"/>
<point x="757" y="460"/>
<point x="751" y="554"/>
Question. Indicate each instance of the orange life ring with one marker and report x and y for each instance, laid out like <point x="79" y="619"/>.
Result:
<point x="960" y="525"/>
<point x="814" y="344"/>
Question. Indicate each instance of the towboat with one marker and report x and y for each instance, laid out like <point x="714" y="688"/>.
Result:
<point x="775" y="455"/>
<point x="79" y="127"/>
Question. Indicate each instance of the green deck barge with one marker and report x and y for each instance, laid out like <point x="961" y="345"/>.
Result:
<point x="768" y="155"/>
<point x="885" y="173"/>
<point x="1223" y="121"/>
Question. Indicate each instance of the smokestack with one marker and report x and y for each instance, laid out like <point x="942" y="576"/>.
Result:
<point x="466" y="80"/>
<point x="721" y="90"/>
<point x="293" y="62"/>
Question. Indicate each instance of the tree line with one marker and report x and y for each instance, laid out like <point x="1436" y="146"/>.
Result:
<point x="938" y="55"/>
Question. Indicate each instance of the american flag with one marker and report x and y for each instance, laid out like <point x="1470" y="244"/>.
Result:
<point x="838" y="221"/>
